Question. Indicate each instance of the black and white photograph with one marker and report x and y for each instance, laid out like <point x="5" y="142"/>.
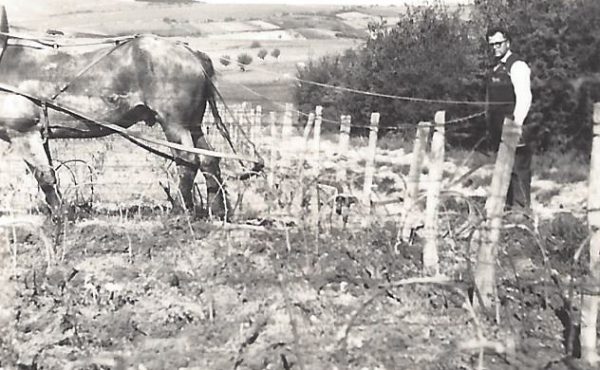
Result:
<point x="303" y="184"/>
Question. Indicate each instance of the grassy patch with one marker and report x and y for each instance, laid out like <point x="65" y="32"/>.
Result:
<point x="562" y="167"/>
<point x="395" y="141"/>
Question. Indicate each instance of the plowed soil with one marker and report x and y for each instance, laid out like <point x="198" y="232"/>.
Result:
<point x="158" y="292"/>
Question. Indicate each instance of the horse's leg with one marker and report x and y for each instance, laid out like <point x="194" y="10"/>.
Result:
<point x="187" y="168"/>
<point x="216" y="195"/>
<point x="30" y="146"/>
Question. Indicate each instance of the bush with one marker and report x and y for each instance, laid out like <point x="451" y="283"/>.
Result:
<point x="427" y="54"/>
<point x="276" y="53"/>
<point x="244" y="60"/>
<point x="225" y="60"/>
<point x="255" y="44"/>
<point x="262" y="53"/>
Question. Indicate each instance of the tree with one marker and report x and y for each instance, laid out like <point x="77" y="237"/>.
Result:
<point x="427" y="54"/>
<point x="243" y="60"/>
<point x="275" y="53"/>
<point x="255" y="44"/>
<point x="225" y="60"/>
<point x="262" y="53"/>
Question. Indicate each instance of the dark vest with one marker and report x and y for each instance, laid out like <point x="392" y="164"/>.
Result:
<point x="500" y="88"/>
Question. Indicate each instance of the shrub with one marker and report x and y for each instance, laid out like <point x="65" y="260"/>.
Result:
<point x="225" y="60"/>
<point x="427" y="54"/>
<point x="262" y="53"/>
<point x="243" y="60"/>
<point x="255" y="44"/>
<point x="276" y="53"/>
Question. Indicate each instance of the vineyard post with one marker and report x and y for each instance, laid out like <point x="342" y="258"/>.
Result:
<point x="590" y="299"/>
<point x="286" y="130"/>
<point x="307" y="129"/>
<point x="315" y="202"/>
<point x="256" y="133"/>
<point x="370" y="162"/>
<point x="239" y="123"/>
<point x="414" y="174"/>
<point x="436" y="171"/>
<point x="305" y="152"/>
<point x="251" y="125"/>
<point x="245" y="125"/>
<point x="273" y="150"/>
<point x="485" y="272"/>
<point x="341" y="174"/>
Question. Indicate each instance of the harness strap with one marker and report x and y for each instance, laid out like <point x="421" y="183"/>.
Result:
<point x="118" y="43"/>
<point x="53" y="43"/>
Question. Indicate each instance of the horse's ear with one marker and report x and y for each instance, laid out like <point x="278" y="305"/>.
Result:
<point x="3" y="19"/>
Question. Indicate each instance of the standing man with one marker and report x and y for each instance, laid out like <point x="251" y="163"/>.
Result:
<point x="509" y="95"/>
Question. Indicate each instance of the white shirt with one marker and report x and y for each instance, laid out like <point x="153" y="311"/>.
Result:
<point x="520" y="76"/>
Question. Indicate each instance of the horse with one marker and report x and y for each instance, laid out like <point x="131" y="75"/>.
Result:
<point x="130" y="80"/>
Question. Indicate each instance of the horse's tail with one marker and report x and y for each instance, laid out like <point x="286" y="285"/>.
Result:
<point x="212" y="93"/>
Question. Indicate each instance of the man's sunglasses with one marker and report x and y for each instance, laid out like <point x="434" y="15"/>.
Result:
<point x="498" y="43"/>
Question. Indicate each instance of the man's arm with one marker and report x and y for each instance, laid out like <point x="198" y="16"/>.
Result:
<point x="520" y="75"/>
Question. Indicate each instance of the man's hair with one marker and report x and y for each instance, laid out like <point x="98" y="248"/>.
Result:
<point x="494" y="30"/>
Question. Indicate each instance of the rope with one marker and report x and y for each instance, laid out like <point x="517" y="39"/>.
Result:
<point x="398" y="127"/>
<point x="375" y="94"/>
<point x="55" y="44"/>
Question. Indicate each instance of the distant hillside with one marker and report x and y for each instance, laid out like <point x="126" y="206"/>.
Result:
<point x="186" y="17"/>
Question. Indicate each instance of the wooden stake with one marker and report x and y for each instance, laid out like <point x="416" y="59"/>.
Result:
<point x="286" y="130"/>
<point x="414" y="175"/>
<point x="315" y="201"/>
<point x="590" y="299"/>
<point x="258" y="131"/>
<point x="301" y="193"/>
<point x="485" y="273"/>
<point x="273" y="150"/>
<point x="370" y="163"/>
<point x="306" y="133"/>
<point x="436" y="170"/>
<point x="341" y="173"/>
